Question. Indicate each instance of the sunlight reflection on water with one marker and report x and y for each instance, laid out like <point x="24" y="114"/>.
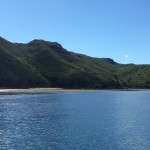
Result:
<point x="107" y="120"/>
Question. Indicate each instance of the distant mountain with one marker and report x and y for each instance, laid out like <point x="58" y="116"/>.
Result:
<point x="41" y="63"/>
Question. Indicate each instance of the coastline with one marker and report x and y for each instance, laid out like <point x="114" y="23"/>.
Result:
<point x="15" y="91"/>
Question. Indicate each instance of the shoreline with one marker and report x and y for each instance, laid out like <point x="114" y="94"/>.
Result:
<point x="15" y="91"/>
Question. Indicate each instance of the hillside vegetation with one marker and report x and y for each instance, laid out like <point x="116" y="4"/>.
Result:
<point x="47" y="64"/>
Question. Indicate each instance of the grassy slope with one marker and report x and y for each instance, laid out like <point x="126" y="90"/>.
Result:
<point x="41" y="63"/>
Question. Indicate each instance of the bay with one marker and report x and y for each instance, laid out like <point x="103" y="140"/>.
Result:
<point x="66" y="120"/>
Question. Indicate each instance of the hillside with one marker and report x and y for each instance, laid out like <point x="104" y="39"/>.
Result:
<point x="47" y="64"/>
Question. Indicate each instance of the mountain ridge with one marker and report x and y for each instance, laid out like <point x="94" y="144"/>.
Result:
<point x="42" y="63"/>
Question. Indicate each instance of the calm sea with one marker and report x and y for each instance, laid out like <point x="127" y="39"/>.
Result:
<point x="81" y="120"/>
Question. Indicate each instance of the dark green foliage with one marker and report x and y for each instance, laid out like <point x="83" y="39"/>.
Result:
<point x="47" y="64"/>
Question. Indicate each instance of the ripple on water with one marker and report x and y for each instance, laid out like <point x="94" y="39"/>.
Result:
<point x="116" y="120"/>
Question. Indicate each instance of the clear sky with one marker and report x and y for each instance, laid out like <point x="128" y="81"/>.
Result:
<point x="118" y="29"/>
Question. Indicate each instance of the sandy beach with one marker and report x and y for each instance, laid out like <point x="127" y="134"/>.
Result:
<point x="27" y="91"/>
<point x="44" y="90"/>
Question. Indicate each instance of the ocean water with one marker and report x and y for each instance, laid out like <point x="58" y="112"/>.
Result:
<point x="81" y="120"/>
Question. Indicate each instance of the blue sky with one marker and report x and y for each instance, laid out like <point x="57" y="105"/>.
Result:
<point x="118" y="29"/>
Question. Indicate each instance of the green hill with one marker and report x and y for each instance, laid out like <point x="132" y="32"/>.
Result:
<point x="47" y="64"/>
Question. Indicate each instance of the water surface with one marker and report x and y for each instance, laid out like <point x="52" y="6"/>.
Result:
<point x="88" y="120"/>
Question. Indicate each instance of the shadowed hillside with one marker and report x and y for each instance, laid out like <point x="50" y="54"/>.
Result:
<point x="47" y="64"/>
